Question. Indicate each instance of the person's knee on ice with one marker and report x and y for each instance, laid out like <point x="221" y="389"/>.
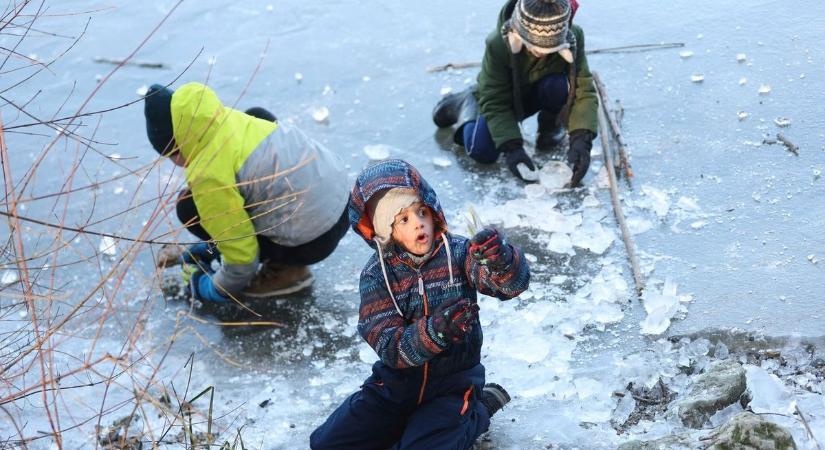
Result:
<point x="231" y="206"/>
<point x="420" y="314"/>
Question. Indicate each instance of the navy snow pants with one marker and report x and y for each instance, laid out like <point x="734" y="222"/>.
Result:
<point x="547" y="94"/>
<point x="385" y="413"/>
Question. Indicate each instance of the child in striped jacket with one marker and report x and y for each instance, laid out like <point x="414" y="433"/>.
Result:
<point x="420" y="314"/>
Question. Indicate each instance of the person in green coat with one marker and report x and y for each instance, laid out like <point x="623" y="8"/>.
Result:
<point x="534" y="62"/>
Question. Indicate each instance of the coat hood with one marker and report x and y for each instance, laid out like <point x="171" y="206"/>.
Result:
<point x="389" y="174"/>
<point x="203" y="126"/>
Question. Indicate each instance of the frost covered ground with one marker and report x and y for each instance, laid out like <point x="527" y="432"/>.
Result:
<point x="727" y="227"/>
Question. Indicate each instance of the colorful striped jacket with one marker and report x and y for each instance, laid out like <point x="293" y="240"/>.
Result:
<point x="398" y="296"/>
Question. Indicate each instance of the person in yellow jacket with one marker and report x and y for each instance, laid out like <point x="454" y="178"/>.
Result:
<point x="259" y="193"/>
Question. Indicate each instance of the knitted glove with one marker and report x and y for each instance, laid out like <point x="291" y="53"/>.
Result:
<point x="202" y="288"/>
<point x="490" y="249"/>
<point x="514" y="154"/>
<point x="452" y="320"/>
<point x="578" y="156"/>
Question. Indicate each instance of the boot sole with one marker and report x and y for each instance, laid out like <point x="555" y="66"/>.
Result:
<point x="303" y="284"/>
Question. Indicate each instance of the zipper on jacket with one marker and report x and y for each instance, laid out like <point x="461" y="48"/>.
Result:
<point x="426" y="314"/>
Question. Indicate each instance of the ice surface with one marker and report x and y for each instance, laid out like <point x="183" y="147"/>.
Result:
<point x="555" y="175"/>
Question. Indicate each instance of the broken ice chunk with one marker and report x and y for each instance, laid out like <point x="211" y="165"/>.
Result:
<point x="320" y="114"/>
<point x="743" y="81"/>
<point x="687" y="204"/>
<point x="9" y="277"/>
<point x="107" y="246"/>
<point x="764" y="89"/>
<point x="534" y="190"/>
<point x="698" y="224"/>
<point x="442" y="162"/>
<point x="742" y="115"/>
<point x="526" y="173"/>
<point x="594" y="237"/>
<point x="377" y="152"/>
<point x="561" y="243"/>
<point x="590" y="202"/>
<point x="782" y="122"/>
<point x="141" y="91"/>
<point x="697" y="77"/>
<point x="602" y="179"/>
<point x="660" y="308"/>
<point x="740" y="57"/>
<point x="685" y="54"/>
<point x="555" y="175"/>
<point x="446" y="90"/>
<point x="299" y="76"/>
<point x="656" y="200"/>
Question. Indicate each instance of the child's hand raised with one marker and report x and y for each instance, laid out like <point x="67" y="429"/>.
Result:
<point x="489" y="247"/>
<point x="453" y="319"/>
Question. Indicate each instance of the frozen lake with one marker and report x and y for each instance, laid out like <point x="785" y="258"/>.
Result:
<point x="729" y="229"/>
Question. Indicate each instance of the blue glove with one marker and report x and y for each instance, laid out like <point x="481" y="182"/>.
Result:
<point x="202" y="288"/>
<point x="202" y="253"/>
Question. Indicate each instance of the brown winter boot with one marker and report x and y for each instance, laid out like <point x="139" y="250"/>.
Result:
<point x="169" y="255"/>
<point x="274" y="280"/>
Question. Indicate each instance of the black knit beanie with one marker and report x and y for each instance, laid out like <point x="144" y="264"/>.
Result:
<point x="542" y="23"/>
<point x="158" y="112"/>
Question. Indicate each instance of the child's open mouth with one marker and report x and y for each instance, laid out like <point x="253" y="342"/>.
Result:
<point x="422" y="238"/>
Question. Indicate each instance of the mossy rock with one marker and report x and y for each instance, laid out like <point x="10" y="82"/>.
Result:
<point x="748" y="431"/>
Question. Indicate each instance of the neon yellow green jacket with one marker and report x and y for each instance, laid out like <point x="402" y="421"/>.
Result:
<point x="216" y="141"/>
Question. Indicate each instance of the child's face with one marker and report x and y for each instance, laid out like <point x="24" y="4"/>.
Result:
<point x="413" y="229"/>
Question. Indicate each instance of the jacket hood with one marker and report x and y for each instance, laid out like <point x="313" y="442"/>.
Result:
<point x="203" y="125"/>
<point x="384" y="175"/>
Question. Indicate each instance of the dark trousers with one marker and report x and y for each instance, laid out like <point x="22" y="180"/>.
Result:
<point x="385" y="413"/>
<point x="303" y="255"/>
<point x="548" y="94"/>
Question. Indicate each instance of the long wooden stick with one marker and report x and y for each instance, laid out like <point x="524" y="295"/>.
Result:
<point x="622" y="49"/>
<point x="614" y="126"/>
<point x="617" y="207"/>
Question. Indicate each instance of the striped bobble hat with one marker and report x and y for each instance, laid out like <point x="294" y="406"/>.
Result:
<point x="542" y="23"/>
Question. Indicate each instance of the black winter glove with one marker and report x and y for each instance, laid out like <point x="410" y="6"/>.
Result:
<point x="490" y="248"/>
<point x="452" y="320"/>
<point x="514" y="154"/>
<point x="581" y="141"/>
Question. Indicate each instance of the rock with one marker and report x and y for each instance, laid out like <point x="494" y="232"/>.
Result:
<point x="748" y="431"/>
<point x="720" y="385"/>
<point x="675" y="442"/>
